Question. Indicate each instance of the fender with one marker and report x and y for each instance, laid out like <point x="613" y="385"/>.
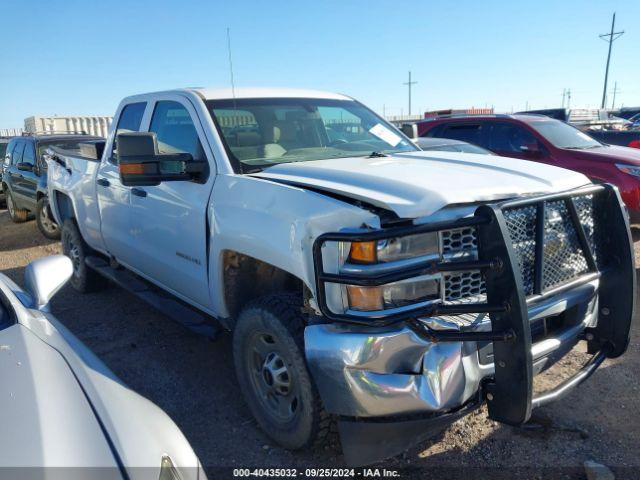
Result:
<point x="275" y="223"/>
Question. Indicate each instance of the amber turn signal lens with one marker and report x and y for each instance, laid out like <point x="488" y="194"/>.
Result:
<point x="132" y="168"/>
<point x="365" y="298"/>
<point x="363" y="252"/>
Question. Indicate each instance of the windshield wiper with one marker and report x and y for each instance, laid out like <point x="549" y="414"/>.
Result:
<point x="378" y="155"/>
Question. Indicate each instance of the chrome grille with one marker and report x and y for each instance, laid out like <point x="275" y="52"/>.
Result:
<point x="459" y="240"/>
<point x="460" y="285"/>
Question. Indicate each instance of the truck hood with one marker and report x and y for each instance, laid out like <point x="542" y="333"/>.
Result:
<point x="421" y="183"/>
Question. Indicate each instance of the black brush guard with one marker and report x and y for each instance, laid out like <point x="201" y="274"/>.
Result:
<point x="510" y="391"/>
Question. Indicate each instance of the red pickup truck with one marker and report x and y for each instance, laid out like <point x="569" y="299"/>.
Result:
<point x="542" y="139"/>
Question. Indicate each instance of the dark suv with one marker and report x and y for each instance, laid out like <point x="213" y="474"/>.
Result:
<point x="24" y="176"/>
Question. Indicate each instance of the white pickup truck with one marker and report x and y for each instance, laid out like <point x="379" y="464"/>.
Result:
<point x="367" y="283"/>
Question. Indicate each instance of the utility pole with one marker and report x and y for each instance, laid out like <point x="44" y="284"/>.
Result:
<point x="615" y="91"/>
<point x="568" y="98"/>
<point x="409" y="84"/>
<point x="609" y="38"/>
<point x="564" y="94"/>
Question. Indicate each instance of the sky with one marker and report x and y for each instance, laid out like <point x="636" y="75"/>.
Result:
<point x="72" y="57"/>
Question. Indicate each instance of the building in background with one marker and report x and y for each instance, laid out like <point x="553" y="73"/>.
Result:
<point x="91" y="125"/>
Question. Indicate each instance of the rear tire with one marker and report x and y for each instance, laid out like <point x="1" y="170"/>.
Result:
<point x="268" y="353"/>
<point x="84" y="279"/>
<point x="46" y="224"/>
<point x="18" y="215"/>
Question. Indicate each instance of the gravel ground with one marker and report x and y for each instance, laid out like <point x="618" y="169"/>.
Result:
<point x="192" y="379"/>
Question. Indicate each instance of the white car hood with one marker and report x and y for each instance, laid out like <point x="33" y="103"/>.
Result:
<point x="421" y="183"/>
<point x="46" y="418"/>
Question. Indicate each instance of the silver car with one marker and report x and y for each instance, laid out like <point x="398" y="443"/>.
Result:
<point x="60" y="406"/>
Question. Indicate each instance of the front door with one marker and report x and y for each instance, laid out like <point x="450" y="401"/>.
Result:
<point x="169" y="221"/>
<point x="114" y="199"/>
<point x="30" y="178"/>
<point x="14" y="176"/>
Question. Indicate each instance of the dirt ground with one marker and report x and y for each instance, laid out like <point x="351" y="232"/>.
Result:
<point x="193" y="380"/>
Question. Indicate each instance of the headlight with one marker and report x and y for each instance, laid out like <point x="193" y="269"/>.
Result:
<point x="629" y="169"/>
<point x="371" y="258"/>
<point x="394" y="249"/>
<point x="393" y="295"/>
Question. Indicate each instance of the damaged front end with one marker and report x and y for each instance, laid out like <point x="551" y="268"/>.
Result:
<point x="408" y="343"/>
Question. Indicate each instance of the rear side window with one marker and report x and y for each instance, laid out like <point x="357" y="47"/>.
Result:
<point x="175" y="130"/>
<point x="466" y="132"/>
<point x="129" y="121"/>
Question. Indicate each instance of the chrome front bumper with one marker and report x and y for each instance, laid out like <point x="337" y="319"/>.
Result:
<point x="391" y="372"/>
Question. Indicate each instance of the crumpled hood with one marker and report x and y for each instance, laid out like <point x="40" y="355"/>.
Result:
<point x="421" y="183"/>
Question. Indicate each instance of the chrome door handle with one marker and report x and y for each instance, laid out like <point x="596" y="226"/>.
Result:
<point x="103" y="182"/>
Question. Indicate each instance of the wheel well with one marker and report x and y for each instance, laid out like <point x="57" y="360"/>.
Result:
<point x="246" y="278"/>
<point x="65" y="207"/>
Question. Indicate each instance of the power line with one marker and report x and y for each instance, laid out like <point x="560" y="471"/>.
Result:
<point x="609" y="38"/>
<point x="409" y="84"/>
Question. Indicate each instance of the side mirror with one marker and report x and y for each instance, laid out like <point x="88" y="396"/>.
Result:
<point x="24" y="167"/>
<point x="410" y="130"/>
<point x="142" y="166"/>
<point x="45" y="277"/>
<point x="532" y="150"/>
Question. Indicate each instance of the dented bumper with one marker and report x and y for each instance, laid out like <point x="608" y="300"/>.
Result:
<point x="395" y="380"/>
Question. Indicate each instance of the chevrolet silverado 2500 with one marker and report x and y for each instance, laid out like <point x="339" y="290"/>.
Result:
<point x="366" y="282"/>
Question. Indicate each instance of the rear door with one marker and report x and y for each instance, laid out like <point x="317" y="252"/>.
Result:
<point x="169" y="221"/>
<point x="114" y="199"/>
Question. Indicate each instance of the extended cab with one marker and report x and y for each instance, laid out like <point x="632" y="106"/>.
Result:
<point x="365" y="281"/>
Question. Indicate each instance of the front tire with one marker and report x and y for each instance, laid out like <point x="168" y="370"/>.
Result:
<point x="268" y="353"/>
<point x="84" y="279"/>
<point x="18" y="215"/>
<point x="46" y="224"/>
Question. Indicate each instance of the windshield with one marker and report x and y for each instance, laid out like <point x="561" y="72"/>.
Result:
<point x="262" y="132"/>
<point x="563" y="135"/>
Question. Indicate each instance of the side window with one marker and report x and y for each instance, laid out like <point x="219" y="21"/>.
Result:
<point x="29" y="154"/>
<point x="175" y="130"/>
<point x="465" y="132"/>
<point x="129" y="121"/>
<point x="511" y="138"/>
<point x="7" y="155"/>
<point x="16" y="156"/>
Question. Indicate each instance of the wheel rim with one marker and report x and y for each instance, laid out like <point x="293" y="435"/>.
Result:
<point x="45" y="219"/>
<point x="73" y="252"/>
<point x="10" y="205"/>
<point x="272" y="380"/>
